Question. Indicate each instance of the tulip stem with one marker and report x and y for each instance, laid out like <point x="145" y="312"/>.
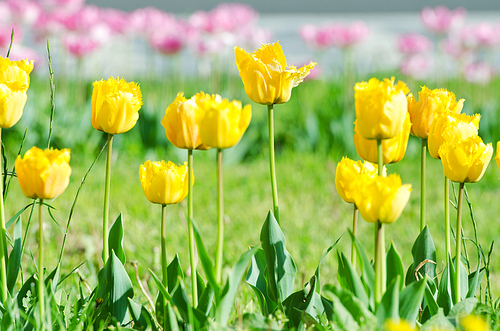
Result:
<point x="355" y="216"/>
<point x="164" y="263"/>
<point x="220" y="220"/>
<point x="41" y="289"/>
<point x="272" y="166"/>
<point x="422" y="184"/>
<point x="105" y="218"/>
<point x="458" y="242"/>
<point x="3" y="235"/>
<point x="380" y="264"/>
<point x="447" y="216"/>
<point x="191" y="230"/>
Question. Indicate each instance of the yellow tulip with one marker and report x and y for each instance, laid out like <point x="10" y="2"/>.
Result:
<point x="164" y="182"/>
<point x="474" y="323"/>
<point x="15" y="81"/>
<point x="115" y="105"/>
<point x="430" y="104"/>
<point x="393" y="149"/>
<point x="497" y="157"/>
<point x="182" y="121"/>
<point x="224" y="122"/>
<point x="43" y="174"/>
<point x="451" y="127"/>
<point x="381" y="108"/>
<point x="265" y="75"/>
<point x="382" y="198"/>
<point x="347" y="176"/>
<point x="465" y="161"/>
<point x="394" y="325"/>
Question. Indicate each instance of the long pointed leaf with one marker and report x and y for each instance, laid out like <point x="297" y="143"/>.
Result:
<point x="351" y="280"/>
<point x="394" y="267"/>
<point x="256" y="278"/>
<point x="389" y="305"/>
<point x="410" y="300"/>
<point x="115" y="241"/>
<point x="14" y="261"/>
<point x="206" y="261"/>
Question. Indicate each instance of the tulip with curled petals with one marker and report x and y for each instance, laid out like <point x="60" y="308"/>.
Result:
<point x="43" y="174"/>
<point x="393" y="149"/>
<point x="381" y="107"/>
<point x="164" y="182"/>
<point x="348" y="175"/>
<point x="115" y="105"/>
<point x="451" y="127"/>
<point x="14" y="82"/>
<point x="224" y="122"/>
<point x="266" y="77"/>
<point x="465" y="161"/>
<point x="382" y="199"/>
<point x="182" y="121"/>
<point x="430" y="104"/>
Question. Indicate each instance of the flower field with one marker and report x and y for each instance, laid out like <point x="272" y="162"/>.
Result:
<point x="257" y="195"/>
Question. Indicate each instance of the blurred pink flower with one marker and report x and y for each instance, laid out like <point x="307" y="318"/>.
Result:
<point x="252" y="37"/>
<point x="62" y="5"/>
<point x="479" y="73"/>
<point x="226" y="17"/>
<point x="5" y="14"/>
<point x="344" y="36"/>
<point x="48" y="24"/>
<point x="480" y="35"/>
<point x="6" y="32"/>
<point x="412" y="43"/>
<point x="206" y="45"/>
<point x="148" y="20"/>
<point x="441" y="20"/>
<point x="117" y="20"/>
<point x="316" y="37"/>
<point x="171" y="38"/>
<point x="80" y="45"/>
<point x="82" y="20"/>
<point x="453" y="47"/>
<point x="24" y="11"/>
<point x="417" y="66"/>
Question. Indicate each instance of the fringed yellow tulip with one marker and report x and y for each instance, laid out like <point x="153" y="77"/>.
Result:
<point x="182" y="121"/>
<point x="265" y="75"/>
<point x="347" y="176"/>
<point x="465" y="161"/>
<point x="14" y="82"/>
<point x="451" y="127"/>
<point x="224" y="122"/>
<point x="395" y="325"/>
<point x="381" y="108"/>
<point x="474" y="323"/>
<point x="497" y="157"/>
<point x="382" y="198"/>
<point x="115" y="105"/>
<point x="164" y="182"/>
<point x="394" y="149"/>
<point x="430" y="104"/>
<point x="43" y="174"/>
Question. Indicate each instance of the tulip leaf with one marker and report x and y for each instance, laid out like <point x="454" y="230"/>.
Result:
<point x="437" y="322"/>
<point x="205" y="303"/>
<point x="206" y="261"/>
<point x="464" y="281"/>
<point x="444" y="297"/>
<point x="281" y="269"/>
<point x="14" y="218"/>
<point x="256" y="278"/>
<point x="174" y="272"/>
<point x="463" y="308"/>
<point x="141" y="316"/>
<point x="115" y="239"/>
<point x="388" y="307"/>
<point x="394" y="267"/>
<point x="316" y="273"/>
<point x="430" y="299"/>
<point x="113" y="290"/>
<point x="410" y="299"/>
<point x="424" y="256"/>
<point x="367" y="270"/>
<point x="349" y="279"/>
<point x="233" y="282"/>
<point x="14" y="261"/>
<point x="474" y="280"/>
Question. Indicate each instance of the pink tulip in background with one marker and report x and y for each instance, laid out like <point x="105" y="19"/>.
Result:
<point x="79" y="45"/>
<point x="413" y="43"/>
<point x="316" y="37"/>
<point x="417" y="66"/>
<point x="347" y="35"/>
<point x="6" y="32"/>
<point x="24" y="11"/>
<point x="226" y="17"/>
<point x="171" y="38"/>
<point x="144" y="21"/>
<point x="479" y="73"/>
<point x="117" y="20"/>
<point x="441" y="20"/>
<point x="479" y="35"/>
<point x="62" y="5"/>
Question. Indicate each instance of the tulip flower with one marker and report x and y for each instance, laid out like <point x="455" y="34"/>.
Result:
<point x="115" y="105"/>
<point x="474" y="323"/>
<point x="164" y="182"/>
<point x="224" y="122"/>
<point x="265" y="74"/>
<point x="393" y="149"/>
<point x="14" y="82"/>
<point x="413" y="43"/>
<point x="43" y="174"/>
<point x="397" y="325"/>
<point x="451" y="127"/>
<point x="381" y="107"/>
<point x="441" y="20"/>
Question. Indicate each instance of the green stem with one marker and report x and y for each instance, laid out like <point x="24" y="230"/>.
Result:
<point x="355" y="216"/>
<point x="191" y="230"/>
<point x="164" y="263"/>
<point x="272" y="166"/>
<point x="458" y="243"/>
<point x="447" y="216"/>
<point x="41" y="289"/>
<point x="105" y="217"/>
<point x="220" y="219"/>
<point x="422" y="184"/>
<point x="379" y="263"/>
<point x="3" y="236"/>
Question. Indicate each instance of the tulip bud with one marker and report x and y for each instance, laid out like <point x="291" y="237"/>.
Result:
<point x="164" y="182"/>
<point x="348" y="176"/>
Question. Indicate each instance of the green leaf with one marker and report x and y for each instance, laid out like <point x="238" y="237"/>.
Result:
<point x="429" y="298"/>
<point x="463" y="308"/>
<point x="171" y="319"/>
<point x="141" y="316"/>
<point x="115" y="286"/>
<point x="475" y="280"/>
<point x="318" y="285"/>
<point x="367" y="270"/>
<point x="256" y="278"/>
<point x="31" y="286"/>
<point x="233" y="282"/>
<point x="444" y="297"/>
<point x="410" y="299"/>
<point x="14" y="218"/>
<point x="281" y="268"/>
<point x="464" y="281"/>
<point x="160" y="285"/>
<point x="205" y="302"/>
<point x="14" y="261"/>
<point x="258" y="322"/>
<point x="174" y="272"/>
<point x="115" y="241"/>
<point x="349" y="279"/>
<point x="389" y="305"/>
<point x="394" y="267"/>
<point x="423" y="250"/>
<point x="438" y="322"/>
<point x="206" y="261"/>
